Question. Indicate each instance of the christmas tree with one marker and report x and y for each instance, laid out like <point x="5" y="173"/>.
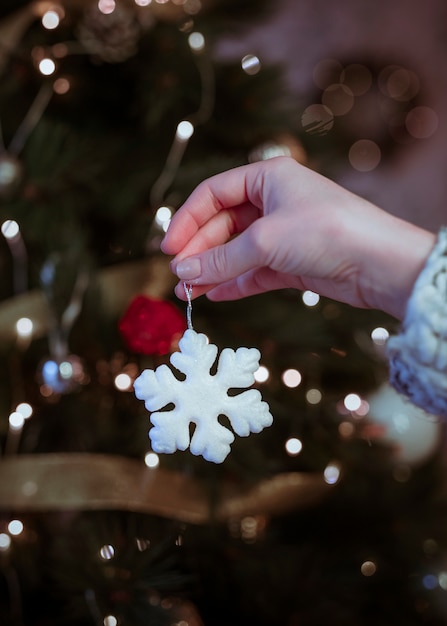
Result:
<point x="111" y="113"/>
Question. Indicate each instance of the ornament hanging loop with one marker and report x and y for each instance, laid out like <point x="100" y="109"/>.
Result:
<point x="188" y="292"/>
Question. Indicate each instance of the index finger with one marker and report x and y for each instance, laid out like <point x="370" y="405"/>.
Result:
<point x="222" y="191"/>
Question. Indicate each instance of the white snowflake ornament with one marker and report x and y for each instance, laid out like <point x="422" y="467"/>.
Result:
<point x="201" y="397"/>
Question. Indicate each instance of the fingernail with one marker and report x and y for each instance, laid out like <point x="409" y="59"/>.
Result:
<point x="188" y="269"/>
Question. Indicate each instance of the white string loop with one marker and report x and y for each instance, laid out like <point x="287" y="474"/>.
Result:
<point x="188" y="292"/>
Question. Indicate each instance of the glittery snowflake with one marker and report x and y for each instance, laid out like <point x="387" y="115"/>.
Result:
<point x="201" y="397"/>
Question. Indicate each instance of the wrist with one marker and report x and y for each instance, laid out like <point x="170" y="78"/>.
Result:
<point x="395" y="260"/>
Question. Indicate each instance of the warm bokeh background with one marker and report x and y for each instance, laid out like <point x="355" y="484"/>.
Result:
<point x="110" y="114"/>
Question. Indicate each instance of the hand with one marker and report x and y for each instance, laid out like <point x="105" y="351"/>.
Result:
<point x="296" y="229"/>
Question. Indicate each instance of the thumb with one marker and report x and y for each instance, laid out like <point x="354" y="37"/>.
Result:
<point x="220" y="263"/>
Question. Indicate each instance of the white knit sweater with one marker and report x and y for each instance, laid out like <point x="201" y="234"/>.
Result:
<point x="418" y="354"/>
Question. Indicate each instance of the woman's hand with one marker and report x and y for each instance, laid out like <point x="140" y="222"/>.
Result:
<point x="276" y="224"/>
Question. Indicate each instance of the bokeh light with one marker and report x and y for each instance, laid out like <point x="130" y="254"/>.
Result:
<point x="251" y="64"/>
<point x="152" y="460"/>
<point x="291" y="378"/>
<point x="15" y="527"/>
<point x="331" y="473"/>
<point x="262" y="374"/>
<point x="310" y="298"/>
<point x="184" y="131"/>
<point x="163" y="217"/>
<point x="317" y="119"/>
<point x="25" y="409"/>
<point x="107" y="552"/>
<point x="352" y="402"/>
<point x="398" y="83"/>
<point x="10" y="229"/>
<point x="24" y="327"/>
<point x="196" y="41"/>
<point x="106" y="6"/>
<point x="380" y="335"/>
<point x="5" y="542"/>
<point x="313" y="396"/>
<point x="422" y="122"/>
<point x="50" y="19"/>
<point x="338" y="98"/>
<point x="47" y="67"/>
<point x="123" y="382"/>
<point x="16" y="420"/>
<point x="293" y="446"/>
<point x="368" y="568"/>
<point x="364" y="155"/>
<point x="61" y="86"/>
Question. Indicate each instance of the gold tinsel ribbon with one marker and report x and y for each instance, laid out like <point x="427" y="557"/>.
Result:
<point x="49" y="482"/>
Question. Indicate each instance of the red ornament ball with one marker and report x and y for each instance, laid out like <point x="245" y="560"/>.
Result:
<point x="152" y="326"/>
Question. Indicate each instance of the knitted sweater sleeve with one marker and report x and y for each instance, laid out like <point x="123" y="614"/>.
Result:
<point x="418" y="353"/>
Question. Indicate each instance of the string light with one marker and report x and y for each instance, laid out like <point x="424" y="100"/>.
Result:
<point x="5" y="542"/>
<point x="313" y="396"/>
<point x="107" y="552"/>
<point x="291" y="378"/>
<point x="142" y="544"/>
<point x="251" y="64"/>
<point x="310" y="298"/>
<point x="262" y="374"/>
<point x="185" y="128"/>
<point x="47" y="66"/>
<point x="16" y="420"/>
<point x="196" y="41"/>
<point x="380" y="336"/>
<point x="331" y="473"/>
<point x="163" y="217"/>
<point x="25" y="409"/>
<point x="24" y="327"/>
<point x="15" y="527"/>
<point x="152" y="460"/>
<point x="123" y="382"/>
<point x="352" y="401"/>
<point x="106" y="6"/>
<point x="11" y="232"/>
<point x="368" y="568"/>
<point x="10" y="229"/>
<point x="110" y="620"/>
<point x="293" y="446"/>
<point x="184" y="131"/>
<point x="50" y="19"/>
